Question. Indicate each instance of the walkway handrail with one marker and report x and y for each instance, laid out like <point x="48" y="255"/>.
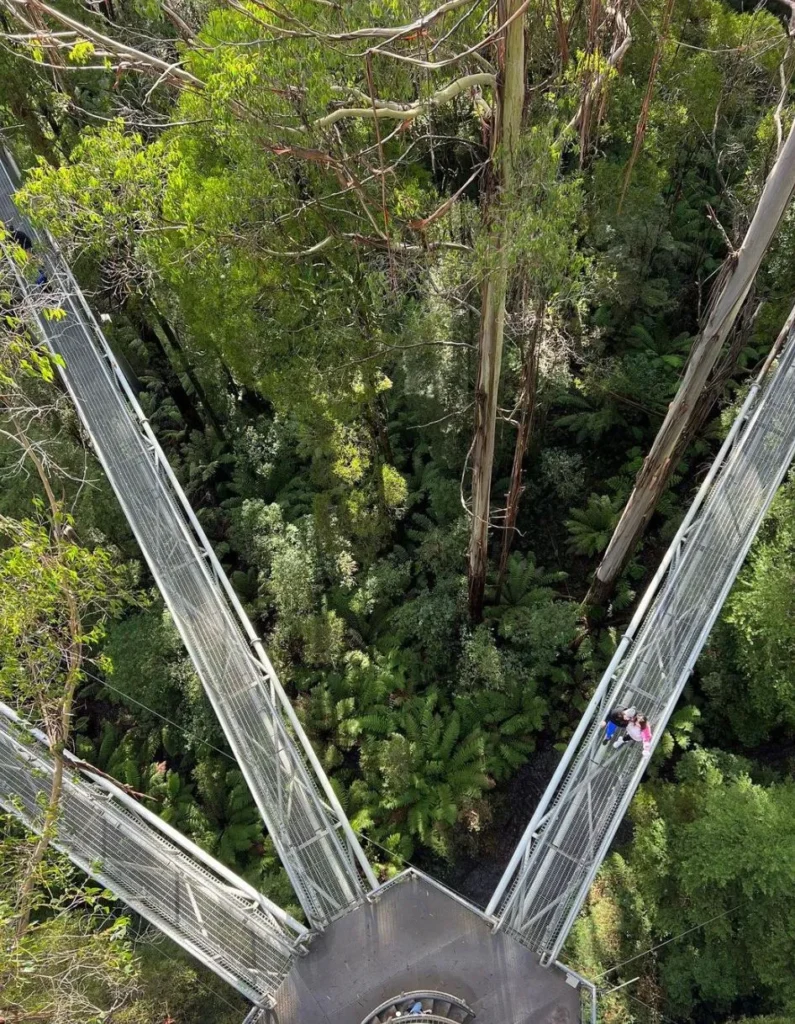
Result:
<point x="314" y="839"/>
<point x="175" y="885"/>
<point x="547" y="879"/>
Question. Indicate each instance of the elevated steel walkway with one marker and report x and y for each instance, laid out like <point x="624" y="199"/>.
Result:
<point x="551" y="870"/>
<point x="224" y="922"/>
<point x="312" y="835"/>
<point x="369" y="942"/>
<point x="413" y="937"/>
<point x="410" y="934"/>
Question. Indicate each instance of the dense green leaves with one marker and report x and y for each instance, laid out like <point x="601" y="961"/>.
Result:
<point x="296" y="299"/>
<point x="55" y="600"/>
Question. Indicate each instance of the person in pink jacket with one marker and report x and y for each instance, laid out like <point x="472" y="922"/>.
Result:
<point x="638" y="731"/>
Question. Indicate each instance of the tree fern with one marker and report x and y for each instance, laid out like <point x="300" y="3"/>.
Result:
<point x="591" y="528"/>
<point x="427" y="769"/>
<point x="451" y="733"/>
<point x="525" y="584"/>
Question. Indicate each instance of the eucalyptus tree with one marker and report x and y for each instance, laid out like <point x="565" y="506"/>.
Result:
<point x="734" y="283"/>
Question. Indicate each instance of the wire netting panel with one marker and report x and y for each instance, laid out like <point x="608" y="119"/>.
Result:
<point x="306" y="833"/>
<point x="580" y="821"/>
<point x="219" y="925"/>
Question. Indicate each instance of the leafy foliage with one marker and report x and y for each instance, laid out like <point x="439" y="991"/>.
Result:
<point x="591" y="528"/>
<point x="295" y="298"/>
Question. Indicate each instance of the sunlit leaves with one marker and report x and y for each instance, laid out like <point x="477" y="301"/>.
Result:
<point x="55" y="599"/>
<point x="82" y="52"/>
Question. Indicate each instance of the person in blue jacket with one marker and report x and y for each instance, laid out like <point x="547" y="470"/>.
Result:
<point x="618" y="718"/>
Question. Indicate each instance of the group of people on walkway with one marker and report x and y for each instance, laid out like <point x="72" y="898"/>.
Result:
<point x="631" y="727"/>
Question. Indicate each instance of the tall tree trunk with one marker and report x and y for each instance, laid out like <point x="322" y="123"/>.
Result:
<point x="736" y="279"/>
<point x="719" y="377"/>
<point x="28" y="884"/>
<point x="527" y="406"/>
<point x="173" y="339"/>
<point x="161" y="366"/>
<point x="58" y="732"/>
<point x="58" y="726"/>
<point x="643" y="117"/>
<point x="505" y="137"/>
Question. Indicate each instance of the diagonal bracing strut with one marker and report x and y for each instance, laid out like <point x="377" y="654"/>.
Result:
<point x="546" y="882"/>
<point x="303" y="815"/>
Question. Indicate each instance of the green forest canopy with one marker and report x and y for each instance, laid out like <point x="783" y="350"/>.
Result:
<point x="325" y="251"/>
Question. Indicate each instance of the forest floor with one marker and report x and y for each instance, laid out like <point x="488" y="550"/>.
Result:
<point x="475" y="873"/>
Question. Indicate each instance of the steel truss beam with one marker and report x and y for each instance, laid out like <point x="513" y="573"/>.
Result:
<point x="551" y="870"/>
<point x="304" y="818"/>
<point x="200" y="904"/>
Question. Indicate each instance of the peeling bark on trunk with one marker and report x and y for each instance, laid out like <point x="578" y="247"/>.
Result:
<point x="492" y="317"/>
<point x="527" y="407"/>
<point x="643" y="118"/>
<point x="562" y="30"/>
<point x="734" y="285"/>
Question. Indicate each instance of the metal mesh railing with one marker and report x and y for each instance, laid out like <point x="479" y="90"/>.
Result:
<point x="572" y="829"/>
<point x="228" y="928"/>
<point x="309" y="829"/>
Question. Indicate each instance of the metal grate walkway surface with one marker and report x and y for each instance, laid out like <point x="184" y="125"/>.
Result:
<point x="553" y="866"/>
<point x="224" y="923"/>
<point x="315" y="842"/>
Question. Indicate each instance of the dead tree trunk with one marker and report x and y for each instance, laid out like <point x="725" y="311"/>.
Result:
<point x="527" y="406"/>
<point x="733" y="286"/>
<point x="508" y="121"/>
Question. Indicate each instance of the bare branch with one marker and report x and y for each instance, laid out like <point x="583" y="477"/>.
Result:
<point x="472" y="51"/>
<point x="714" y="218"/>
<point x="391" y="35"/>
<point x="421" y="225"/>
<point x="184" y="29"/>
<point x="408" y="113"/>
<point x="136" y="58"/>
<point x="447" y="416"/>
<point x="620" y="47"/>
<point x="389" y="349"/>
<point x="324" y="244"/>
<point x="643" y="119"/>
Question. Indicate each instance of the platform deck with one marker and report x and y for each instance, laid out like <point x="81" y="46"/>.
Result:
<point x="418" y="935"/>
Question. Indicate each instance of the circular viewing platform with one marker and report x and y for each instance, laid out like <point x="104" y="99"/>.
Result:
<point x="417" y="942"/>
<point x="424" y="1007"/>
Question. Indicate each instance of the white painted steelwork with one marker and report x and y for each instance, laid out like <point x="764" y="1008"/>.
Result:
<point x="202" y="905"/>
<point x="304" y="818"/>
<point x="548" y="877"/>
